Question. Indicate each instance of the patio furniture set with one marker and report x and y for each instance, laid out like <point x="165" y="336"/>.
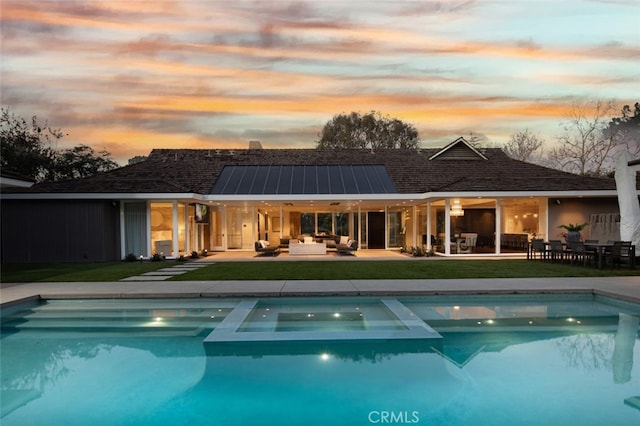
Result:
<point x="614" y="253"/>
<point x="307" y="245"/>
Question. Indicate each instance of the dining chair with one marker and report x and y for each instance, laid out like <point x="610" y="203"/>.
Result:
<point x="579" y="253"/>
<point x="620" y="253"/>
<point x="538" y="249"/>
<point x="556" y="250"/>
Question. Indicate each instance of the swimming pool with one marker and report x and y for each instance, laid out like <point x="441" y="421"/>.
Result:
<point x="527" y="360"/>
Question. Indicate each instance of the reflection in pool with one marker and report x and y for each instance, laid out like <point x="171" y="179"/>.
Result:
<point x="476" y="360"/>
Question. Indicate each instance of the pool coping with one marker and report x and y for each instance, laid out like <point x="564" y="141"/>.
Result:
<point x="229" y="330"/>
<point x="625" y="288"/>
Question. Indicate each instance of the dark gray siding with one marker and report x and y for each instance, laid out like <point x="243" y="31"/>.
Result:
<point x="60" y="231"/>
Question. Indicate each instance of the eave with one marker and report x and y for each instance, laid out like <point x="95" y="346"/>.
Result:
<point x="306" y="197"/>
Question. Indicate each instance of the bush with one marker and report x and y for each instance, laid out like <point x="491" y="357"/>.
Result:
<point x="194" y="254"/>
<point x="157" y="257"/>
<point x="418" y="251"/>
<point x="131" y="257"/>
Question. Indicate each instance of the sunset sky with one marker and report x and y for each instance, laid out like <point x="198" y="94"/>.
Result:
<point x="130" y="76"/>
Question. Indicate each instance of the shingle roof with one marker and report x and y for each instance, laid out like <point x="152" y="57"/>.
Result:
<point x="195" y="171"/>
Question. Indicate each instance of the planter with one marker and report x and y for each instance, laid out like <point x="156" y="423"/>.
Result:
<point x="573" y="237"/>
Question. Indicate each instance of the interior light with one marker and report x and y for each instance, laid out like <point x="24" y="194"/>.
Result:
<point x="490" y="321"/>
<point x="456" y="209"/>
<point x="456" y="308"/>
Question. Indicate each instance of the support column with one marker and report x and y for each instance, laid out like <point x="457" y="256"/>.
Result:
<point x="447" y="227"/>
<point x="174" y="212"/>
<point x="498" y="224"/>
<point x="429" y="226"/>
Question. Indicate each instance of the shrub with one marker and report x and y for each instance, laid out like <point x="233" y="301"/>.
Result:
<point x="131" y="257"/>
<point x="157" y="257"/>
<point x="418" y="251"/>
<point x="194" y="254"/>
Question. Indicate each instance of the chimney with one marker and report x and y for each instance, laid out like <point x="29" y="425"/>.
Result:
<point x="255" y="145"/>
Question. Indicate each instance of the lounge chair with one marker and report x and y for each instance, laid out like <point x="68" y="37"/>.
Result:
<point x="265" y="249"/>
<point x="469" y="243"/>
<point x="348" y="248"/>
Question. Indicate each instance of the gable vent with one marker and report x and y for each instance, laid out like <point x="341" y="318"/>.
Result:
<point x="459" y="152"/>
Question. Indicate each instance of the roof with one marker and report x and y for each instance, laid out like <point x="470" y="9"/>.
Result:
<point x="411" y="171"/>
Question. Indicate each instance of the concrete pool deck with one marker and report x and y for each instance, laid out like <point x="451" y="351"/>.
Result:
<point x="623" y="288"/>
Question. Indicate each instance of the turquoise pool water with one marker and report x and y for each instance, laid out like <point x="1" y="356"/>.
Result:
<point x="480" y="360"/>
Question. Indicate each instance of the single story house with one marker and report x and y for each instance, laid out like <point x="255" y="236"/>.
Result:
<point x="179" y="201"/>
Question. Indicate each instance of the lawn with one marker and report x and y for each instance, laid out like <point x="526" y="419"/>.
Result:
<point x="435" y="269"/>
<point x="60" y="272"/>
<point x="429" y="269"/>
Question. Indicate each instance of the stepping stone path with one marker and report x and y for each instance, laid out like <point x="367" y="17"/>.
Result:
<point x="166" y="273"/>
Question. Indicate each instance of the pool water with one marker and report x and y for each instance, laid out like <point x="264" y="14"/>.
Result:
<point x="476" y="360"/>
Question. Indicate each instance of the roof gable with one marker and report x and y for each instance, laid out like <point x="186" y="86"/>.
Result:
<point x="459" y="149"/>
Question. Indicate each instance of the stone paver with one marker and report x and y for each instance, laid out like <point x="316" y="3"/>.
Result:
<point x="624" y="288"/>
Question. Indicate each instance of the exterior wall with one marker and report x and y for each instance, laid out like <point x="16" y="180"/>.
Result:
<point x="60" y="231"/>
<point x="563" y="211"/>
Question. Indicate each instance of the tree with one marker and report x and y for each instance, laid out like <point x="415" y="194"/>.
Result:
<point x="626" y="130"/>
<point x="367" y="131"/>
<point x="28" y="151"/>
<point x="524" y="146"/>
<point x="584" y="148"/>
<point x="79" y="162"/>
<point x="137" y="159"/>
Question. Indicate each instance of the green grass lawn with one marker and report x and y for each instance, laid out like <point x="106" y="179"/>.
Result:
<point x="333" y="270"/>
<point x="59" y="272"/>
<point x="431" y="269"/>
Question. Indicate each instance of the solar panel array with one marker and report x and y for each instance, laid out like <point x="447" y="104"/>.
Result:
<point x="317" y="179"/>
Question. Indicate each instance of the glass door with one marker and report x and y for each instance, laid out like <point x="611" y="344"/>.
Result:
<point x="217" y="230"/>
<point x="240" y="228"/>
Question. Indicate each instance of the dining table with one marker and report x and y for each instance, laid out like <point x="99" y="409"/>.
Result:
<point x="601" y="249"/>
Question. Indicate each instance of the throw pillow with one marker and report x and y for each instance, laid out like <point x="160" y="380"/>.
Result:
<point x="344" y="240"/>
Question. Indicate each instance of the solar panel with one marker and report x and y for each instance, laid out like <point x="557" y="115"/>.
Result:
<point x="322" y="179"/>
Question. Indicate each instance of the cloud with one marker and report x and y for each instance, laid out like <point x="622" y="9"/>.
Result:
<point x="134" y="74"/>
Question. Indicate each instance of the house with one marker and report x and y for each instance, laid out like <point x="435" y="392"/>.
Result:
<point x="183" y="200"/>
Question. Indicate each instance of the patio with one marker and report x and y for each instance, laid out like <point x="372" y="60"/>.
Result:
<point x="363" y="255"/>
